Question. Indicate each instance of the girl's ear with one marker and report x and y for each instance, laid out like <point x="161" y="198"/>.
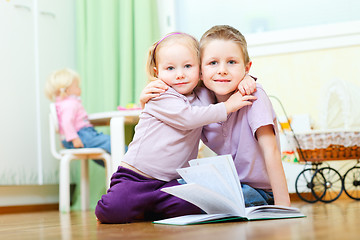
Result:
<point x="155" y="71"/>
<point x="247" y="67"/>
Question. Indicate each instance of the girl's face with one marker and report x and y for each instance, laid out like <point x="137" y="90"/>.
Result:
<point x="223" y="67"/>
<point x="178" y="67"/>
<point x="73" y="89"/>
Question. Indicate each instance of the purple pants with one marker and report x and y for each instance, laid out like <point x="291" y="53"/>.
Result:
<point x="133" y="197"/>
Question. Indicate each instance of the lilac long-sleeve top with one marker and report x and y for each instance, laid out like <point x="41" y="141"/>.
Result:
<point x="72" y="116"/>
<point x="168" y="133"/>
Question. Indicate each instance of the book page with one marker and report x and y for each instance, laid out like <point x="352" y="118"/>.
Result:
<point x="209" y="177"/>
<point x="272" y="212"/>
<point x="225" y="165"/>
<point x="209" y="201"/>
<point x="198" y="218"/>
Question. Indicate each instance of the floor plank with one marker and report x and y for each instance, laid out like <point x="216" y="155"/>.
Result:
<point x="337" y="220"/>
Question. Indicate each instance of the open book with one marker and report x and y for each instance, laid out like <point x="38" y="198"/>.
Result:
<point x="213" y="186"/>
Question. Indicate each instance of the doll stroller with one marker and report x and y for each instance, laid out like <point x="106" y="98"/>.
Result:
<point x="319" y="181"/>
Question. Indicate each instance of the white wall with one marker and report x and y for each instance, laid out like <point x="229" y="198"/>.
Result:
<point x="249" y="16"/>
<point x="37" y="37"/>
<point x="296" y="47"/>
<point x="300" y="47"/>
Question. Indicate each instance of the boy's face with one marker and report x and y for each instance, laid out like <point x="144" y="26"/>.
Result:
<point x="178" y="67"/>
<point x="223" y="67"/>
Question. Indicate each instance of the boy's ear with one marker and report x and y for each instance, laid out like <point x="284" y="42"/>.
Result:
<point x="248" y="66"/>
<point x="155" y="71"/>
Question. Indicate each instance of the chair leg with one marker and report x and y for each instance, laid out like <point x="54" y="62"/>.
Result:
<point x="84" y="185"/>
<point x="64" y="184"/>
<point x="108" y="168"/>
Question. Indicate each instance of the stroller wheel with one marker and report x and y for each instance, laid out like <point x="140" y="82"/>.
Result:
<point x="305" y="188"/>
<point x="329" y="184"/>
<point x="351" y="183"/>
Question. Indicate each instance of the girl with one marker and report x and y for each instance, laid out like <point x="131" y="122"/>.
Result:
<point x="166" y="137"/>
<point x="63" y="87"/>
<point x="249" y="134"/>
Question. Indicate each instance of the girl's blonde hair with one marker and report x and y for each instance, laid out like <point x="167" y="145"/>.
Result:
<point x="59" y="81"/>
<point x="175" y="37"/>
<point x="225" y="32"/>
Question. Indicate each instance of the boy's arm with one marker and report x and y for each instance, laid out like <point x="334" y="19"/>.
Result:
<point x="270" y="150"/>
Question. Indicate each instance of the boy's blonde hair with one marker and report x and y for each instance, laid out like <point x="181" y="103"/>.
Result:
<point x="171" y="38"/>
<point x="59" y="81"/>
<point x="225" y="32"/>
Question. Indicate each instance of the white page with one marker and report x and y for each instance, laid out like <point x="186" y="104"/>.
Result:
<point x="209" y="177"/>
<point x="192" y="219"/>
<point x="225" y="165"/>
<point x="272" y="212"/>
<point x="209" y="201"/>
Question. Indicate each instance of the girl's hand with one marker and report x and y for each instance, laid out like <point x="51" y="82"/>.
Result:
<point x="237" y="101"/>
<point x="77" y="143"/>
<point x="247" y="86"/>
<point x="153" y="89"/>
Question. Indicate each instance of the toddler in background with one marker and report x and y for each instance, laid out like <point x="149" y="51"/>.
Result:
<point x="63" y="87"/>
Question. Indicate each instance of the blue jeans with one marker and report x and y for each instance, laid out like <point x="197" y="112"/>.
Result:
<point x="92" y="139"/>
<point x="256" y="197"/>
<point x="252" y="196"/>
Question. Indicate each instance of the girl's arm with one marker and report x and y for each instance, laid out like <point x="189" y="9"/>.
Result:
<point x="153" y="89"/>
<point x="174" y="110"/>
<point x="77" y="143"/>
<point x="271" y="152"/>
<point x="67" y="111"/>
<point x="237" y="101"/>
<point x="247" y="86"/>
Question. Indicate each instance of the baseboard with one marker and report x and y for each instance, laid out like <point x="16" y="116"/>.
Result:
<point x="295" y="198"/>
<point x="24" y="195"/>
<point x="29" y="208"/>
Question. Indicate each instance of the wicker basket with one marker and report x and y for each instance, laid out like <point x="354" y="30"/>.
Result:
<point x="332" y="152"/>
<point x="317" y="146"/>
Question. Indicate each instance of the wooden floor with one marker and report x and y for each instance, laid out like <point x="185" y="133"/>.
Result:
<point x="337" y="220"/>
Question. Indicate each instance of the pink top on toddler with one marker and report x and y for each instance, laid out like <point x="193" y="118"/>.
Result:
<point x="71" y="116"/>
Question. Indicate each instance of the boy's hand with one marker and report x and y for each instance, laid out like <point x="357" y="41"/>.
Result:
<point x="153" y="89"/>
<point x="247" y="86"/>
<point x="77" y="143"/>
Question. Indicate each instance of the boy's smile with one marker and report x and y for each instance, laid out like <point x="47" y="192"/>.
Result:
<point x="222" y="80"/>
<point x="222" y="67"/>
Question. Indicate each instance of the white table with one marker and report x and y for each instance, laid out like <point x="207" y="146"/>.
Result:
<point x="117" y="121"/>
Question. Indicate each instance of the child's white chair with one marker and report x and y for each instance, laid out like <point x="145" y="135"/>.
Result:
<point x="65" y="156"/>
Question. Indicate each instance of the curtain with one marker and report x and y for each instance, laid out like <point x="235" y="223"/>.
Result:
<point x="113" y="38"/>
